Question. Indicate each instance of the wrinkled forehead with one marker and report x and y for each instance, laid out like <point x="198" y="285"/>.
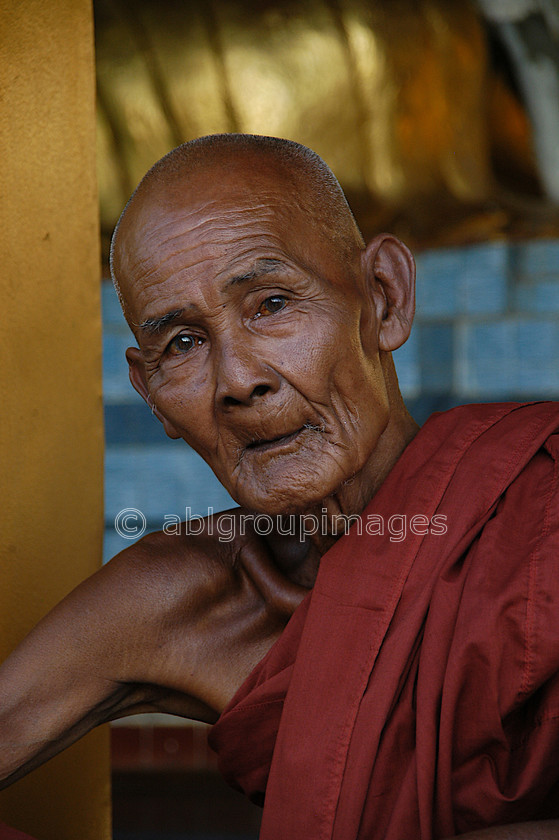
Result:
<point x="218" y="193"/>
<point x="221" y="214"/>
<point x="213" y="212"/>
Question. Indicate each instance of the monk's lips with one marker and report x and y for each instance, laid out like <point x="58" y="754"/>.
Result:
<point x="272" y="443"/>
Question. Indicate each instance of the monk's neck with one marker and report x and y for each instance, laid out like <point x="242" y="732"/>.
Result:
<point x="308" y="536"/>
<point x="355" y="494"/>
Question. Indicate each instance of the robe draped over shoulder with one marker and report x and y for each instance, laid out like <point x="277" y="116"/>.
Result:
<point x="415" y="691"/>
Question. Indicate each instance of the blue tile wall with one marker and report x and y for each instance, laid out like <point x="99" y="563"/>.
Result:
<point x="515" y="355"/>
<point x="408" y="365"/>
<point x="486" y="328"/>
<point x="462" y="281"/>
<point x="538" y="258"/>
<point x="116" y="387"/>
<point x="436" y="351"/>
<point x="536" y="296"/>
<point x="534" y="277"/>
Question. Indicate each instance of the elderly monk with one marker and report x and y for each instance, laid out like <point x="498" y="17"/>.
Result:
<point x="388" y="682"/>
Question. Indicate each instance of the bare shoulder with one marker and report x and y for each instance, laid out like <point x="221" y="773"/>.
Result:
<point x="212" y="559"/>
<point x="161" y="570"/>
<point x="195" y="568"/>
<point x="203" y="607"/>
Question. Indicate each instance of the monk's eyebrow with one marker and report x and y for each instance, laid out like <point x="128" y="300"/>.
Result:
<point x="265" y="266"/>
<point x="153" y="326"/>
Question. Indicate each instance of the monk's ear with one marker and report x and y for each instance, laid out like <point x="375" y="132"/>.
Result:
<point x="389" y="270"/>
<point x="137" y="374"/>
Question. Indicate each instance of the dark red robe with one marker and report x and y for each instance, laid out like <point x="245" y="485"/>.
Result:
<point x="7" y="833"/>
<point x="415" y="692"/>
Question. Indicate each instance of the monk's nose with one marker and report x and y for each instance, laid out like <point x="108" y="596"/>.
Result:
<point x="244" y="378"/>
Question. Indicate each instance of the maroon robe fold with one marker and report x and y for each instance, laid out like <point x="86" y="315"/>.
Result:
<point x="7" y="833"/>
<point x="415" y="692"/>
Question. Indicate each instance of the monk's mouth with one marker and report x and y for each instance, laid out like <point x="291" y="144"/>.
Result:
<point x="274" y="443"/>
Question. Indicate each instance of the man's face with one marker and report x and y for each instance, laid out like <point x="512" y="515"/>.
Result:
<point x="251" y="342"/>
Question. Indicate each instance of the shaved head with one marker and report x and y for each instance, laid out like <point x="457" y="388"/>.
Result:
<point x="308" y="184"/>
<point x="264" y="326"/>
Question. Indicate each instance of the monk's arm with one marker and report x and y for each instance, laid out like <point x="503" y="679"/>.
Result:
<point x="89" y="661"/>
<point x="171" y="625"/>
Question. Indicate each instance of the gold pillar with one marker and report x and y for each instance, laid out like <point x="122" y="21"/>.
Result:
<point x="50" y="345"/>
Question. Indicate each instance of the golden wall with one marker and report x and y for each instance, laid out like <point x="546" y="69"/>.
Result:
<point x="50" y="344"/>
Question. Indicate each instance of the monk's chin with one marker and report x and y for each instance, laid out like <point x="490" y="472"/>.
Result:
<point x="279" y="483"/>
<point x="297" y="498"/>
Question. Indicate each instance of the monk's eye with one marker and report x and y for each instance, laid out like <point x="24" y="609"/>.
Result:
<point x="271" y="305"/>
<point x="183" y="343"/>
